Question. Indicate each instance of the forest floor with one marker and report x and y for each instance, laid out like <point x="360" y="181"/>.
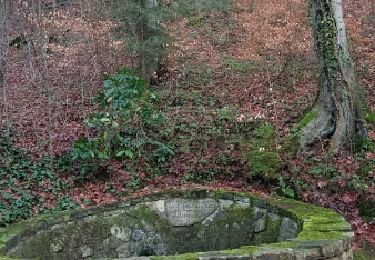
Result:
<point x="232" y="71"/>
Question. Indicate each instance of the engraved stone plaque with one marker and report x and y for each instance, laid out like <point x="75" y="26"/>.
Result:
<point x="186" y="212"/>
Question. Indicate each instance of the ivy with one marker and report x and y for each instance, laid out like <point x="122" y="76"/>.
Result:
<point x="22" y="180"/>
<point x="326" y="34"/>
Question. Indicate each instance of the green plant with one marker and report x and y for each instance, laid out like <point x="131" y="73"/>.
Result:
<point x="66" y="203"/>
<point x="285" y="189"/>
<point x="243" y="66"/>
<point x="225" y="113"/>
<point x="200" y="176"/>
<point x="22" y="180"/>
<point x="324" y="171"/>
<point x="18" y="42"/>
<point x="135" y="183"/>
<point x="196" y="21"/>
<point x="127" y="124"/>
<point x="363" y="145"/>
<point x="197" y="76"/>
<point x="359" y="183"/>
<point x="263" y="157"/>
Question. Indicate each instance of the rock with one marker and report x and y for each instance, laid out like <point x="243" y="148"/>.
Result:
<point x="56" y="247"/>
<point x="121" y="233"/>
<point x="123" y="251"/>
<point x="86" y="251"/>
<point x="260" y="225"/>
<point x="226" y="204"/>
<point x="137" y="234"/>
<point x="260" y="216"/>
<point x="185" y="222"/>
<point x="186" y="212"/>
<point x="273" y="216"/>
<point x="288" y="229"/>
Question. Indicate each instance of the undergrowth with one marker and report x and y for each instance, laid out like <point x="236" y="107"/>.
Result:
<point x="27" y="186"/>
<point x="262" y="157"/>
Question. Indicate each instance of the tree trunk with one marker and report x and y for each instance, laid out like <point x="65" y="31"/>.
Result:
<point x="5" y="7"/>
<point x="336" y="112"/>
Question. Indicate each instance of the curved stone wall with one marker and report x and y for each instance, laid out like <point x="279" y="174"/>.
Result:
<point x="193" y="224"/>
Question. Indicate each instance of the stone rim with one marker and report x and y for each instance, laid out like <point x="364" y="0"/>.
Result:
<point x="324" y="233"/>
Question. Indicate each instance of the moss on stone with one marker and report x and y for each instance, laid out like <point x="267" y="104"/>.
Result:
<point x="318" y="223"/>
<point x="281" y="245"/>
<point x="268" y="236"/>
<point x="187" y="256"/>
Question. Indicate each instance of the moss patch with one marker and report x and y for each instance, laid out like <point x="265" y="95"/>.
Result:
<point x="307" y="118"/>
<point x="370" y="117"/>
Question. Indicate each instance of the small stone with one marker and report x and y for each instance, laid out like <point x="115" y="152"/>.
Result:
<point x="225" y="204"/>
<point x="158" y="205"/>
<point x="213" y="217"/>
<point x="274" y="254"/>
<point x="259" y="213"/>
<point x="243" y="204"/>
<point x="112" y="242"/>
<point x="137" y="234"/>
<point x="86" y="251"/>
<point x="273" y="216"/>
<point x="260" y="225"/>
<point x="147" y="227"/>
<point x="56" y="247"/>
<point x="288" y="229"/>
<point x="157" y="239"/>
<point x="159" y="250"/>
<point x="121" y="233"/>
<point x="333" y="248"/>
<point x="123" y="251"/>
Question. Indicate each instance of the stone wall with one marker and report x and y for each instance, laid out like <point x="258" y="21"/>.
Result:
<point x="219" y="225"/>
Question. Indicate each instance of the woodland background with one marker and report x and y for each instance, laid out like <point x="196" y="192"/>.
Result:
<point x="237" y="78"/>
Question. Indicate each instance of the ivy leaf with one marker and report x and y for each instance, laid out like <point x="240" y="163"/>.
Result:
<point x="127" y="153"/>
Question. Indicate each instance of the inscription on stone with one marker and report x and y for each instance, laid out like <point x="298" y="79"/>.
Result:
<point x="186" y="212"/>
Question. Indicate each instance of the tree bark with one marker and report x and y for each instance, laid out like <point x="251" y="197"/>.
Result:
<point x="5" y="7"/>
<point x="337" y="109"/>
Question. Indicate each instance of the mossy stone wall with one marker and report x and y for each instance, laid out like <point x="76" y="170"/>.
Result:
<point x="178" y="225"/>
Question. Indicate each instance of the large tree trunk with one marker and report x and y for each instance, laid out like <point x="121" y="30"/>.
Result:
<point x="336" y="112"/>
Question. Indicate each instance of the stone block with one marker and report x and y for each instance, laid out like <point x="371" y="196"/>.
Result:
<point x="288" y="229"/>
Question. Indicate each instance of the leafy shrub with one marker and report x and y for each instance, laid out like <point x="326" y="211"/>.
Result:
<point x="127" y="124"/>
<point x="262" y="158"/>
